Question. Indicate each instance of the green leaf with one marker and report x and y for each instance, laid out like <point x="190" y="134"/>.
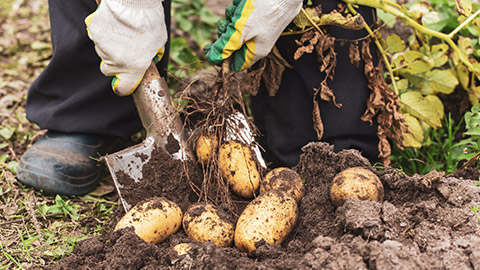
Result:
<point x="12" y="166"/>
<point x="412" y="62"/>
<point x="414" y="138"/>
<point x="387" y="18"/>
<point x="439" y="55"/>
<point x="418" y="10"/>
<point x="395" y="44"/>
<point x="472" y="121"/>
<point x="7" y="132"/>
<point x="464" y="7"/>
<point x="440" y="81"/>
<point x="3" y="158"/>
<point x="425" y="109"/>
<point x="431" y="18"/>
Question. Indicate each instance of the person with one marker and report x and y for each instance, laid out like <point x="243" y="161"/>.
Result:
<point x="85" y="119"/>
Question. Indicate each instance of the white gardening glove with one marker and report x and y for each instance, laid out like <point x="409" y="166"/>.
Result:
<point x="251" y="30"/>
<point x="127" y="34"/>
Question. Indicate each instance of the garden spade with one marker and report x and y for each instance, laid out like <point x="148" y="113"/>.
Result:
<point x="163" y="126"/>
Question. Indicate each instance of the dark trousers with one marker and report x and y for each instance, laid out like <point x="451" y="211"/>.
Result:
<point x="285" y="121"/>
<point x="71" y="94"/>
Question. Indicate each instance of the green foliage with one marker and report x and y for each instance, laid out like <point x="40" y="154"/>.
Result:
<point x="436" y="153"/>
<point x="198" y="27"/>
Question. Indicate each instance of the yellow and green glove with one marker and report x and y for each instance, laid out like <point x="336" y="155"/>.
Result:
<point x="127" y="34"/>
<point x="250" y="31"/>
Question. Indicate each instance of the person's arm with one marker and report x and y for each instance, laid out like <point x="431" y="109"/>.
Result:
<point x="127" y="34"/>
<point x="251" y="30"/>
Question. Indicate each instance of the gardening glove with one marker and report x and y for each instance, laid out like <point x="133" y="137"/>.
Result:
<point x="127" y="34"/>
<point x="250" y="31"/>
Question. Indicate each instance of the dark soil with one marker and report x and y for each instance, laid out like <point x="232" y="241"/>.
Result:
<point x="423" y="223"/>
<point x="163" y="177"/>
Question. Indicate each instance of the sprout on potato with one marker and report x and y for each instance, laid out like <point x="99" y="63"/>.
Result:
<point x="153" y="220"/>
<point x="356" y="182"/>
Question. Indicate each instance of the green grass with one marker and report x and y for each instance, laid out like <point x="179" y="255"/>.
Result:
<point x="437" y="153"/>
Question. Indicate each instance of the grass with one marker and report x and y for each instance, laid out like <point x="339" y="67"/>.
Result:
<point x="37" y="230"/>
<point x="439" y="152"/>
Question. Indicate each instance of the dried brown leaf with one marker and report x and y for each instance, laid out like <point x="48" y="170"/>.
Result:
<point x="354" y="54"/>
<point x="383" y="104"/>
<point x="326" y="94"/>
<point x="317" y="121"/>
<point x="306" y="43"/>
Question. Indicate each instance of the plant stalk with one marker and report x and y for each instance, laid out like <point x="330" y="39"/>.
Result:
<point x="378" y="4"/>
<point x="461" y="26"/>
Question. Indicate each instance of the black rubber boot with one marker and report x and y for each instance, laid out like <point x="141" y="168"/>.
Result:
<point x="65" y="164"/>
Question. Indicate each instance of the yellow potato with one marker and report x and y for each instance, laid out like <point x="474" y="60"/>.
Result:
<point x="239" y="168"/>
<point x="357" y="182"/>
<point x="153" y="220"/>
<point x="269" y="217"/>
<point x="182" y="248"/>
<point x="285" y="179"/>
<point x="205" y="147"/>
<point x="204" y="223"/>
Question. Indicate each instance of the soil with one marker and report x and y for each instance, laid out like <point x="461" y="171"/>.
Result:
<point x="163" y="176"/>
<point x="424" y="222"/>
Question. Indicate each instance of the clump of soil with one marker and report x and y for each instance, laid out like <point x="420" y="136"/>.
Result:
<point x="423" y="223"/>
<point x="163" y="176"/>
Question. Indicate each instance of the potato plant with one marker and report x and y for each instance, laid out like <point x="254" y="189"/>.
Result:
<point x="438" y="57"/>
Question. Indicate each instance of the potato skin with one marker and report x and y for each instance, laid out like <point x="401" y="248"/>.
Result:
<point x="153" y="220"/>
<point x="356" y="182"/>
<point x="182" y="249"/>
<point x="285" y="179"/>
<point x="205" y="147"/>
<point x="204" y="223"/>
<point x="269" y="217"/>
<point x="239" y="168"/>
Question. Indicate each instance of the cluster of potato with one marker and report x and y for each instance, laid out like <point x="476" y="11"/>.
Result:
<point x="270" y="216"/>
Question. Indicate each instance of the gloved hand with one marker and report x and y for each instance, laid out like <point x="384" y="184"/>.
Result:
<point x="251" y="30"/>
<point x="127" y="34"/>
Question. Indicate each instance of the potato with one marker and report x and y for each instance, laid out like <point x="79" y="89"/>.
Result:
<point x="285" y="179"/>
<point x="204" y="223"/>
<point x="269" y="217"/>
<point x="356" y="182"/>
<point x="182" y="248"/>
<point x="239" y="168"/>
<point x="153" y="220"/>
<point x="205" y="147"/>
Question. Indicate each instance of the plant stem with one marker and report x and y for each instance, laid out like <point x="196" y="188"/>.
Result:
<point x="386" y="7"/>
<point x="380" y="48"/>
<point x="311" y="21"/>
<point x="461" y="26"/>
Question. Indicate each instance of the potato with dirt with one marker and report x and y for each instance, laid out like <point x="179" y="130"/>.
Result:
<point x="356" y="182"/>
<point x="239" y="168"/>
<point x="285" y="179"/>
<point x="203" y="222"/>
<point x="205" y="147"/>
<point x="153" y="220"/>
<point x="269" y="217"/>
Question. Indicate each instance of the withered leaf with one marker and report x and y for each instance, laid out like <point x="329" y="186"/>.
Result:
<point x="326" y="94"/>
<point x="306" y="43"/>
<point x="354" y="54"/>
<point x="383" y="104"/>
<point x="317" y="120"/>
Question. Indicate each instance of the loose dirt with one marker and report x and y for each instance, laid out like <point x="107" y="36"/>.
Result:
<point x="423" y="223"/>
